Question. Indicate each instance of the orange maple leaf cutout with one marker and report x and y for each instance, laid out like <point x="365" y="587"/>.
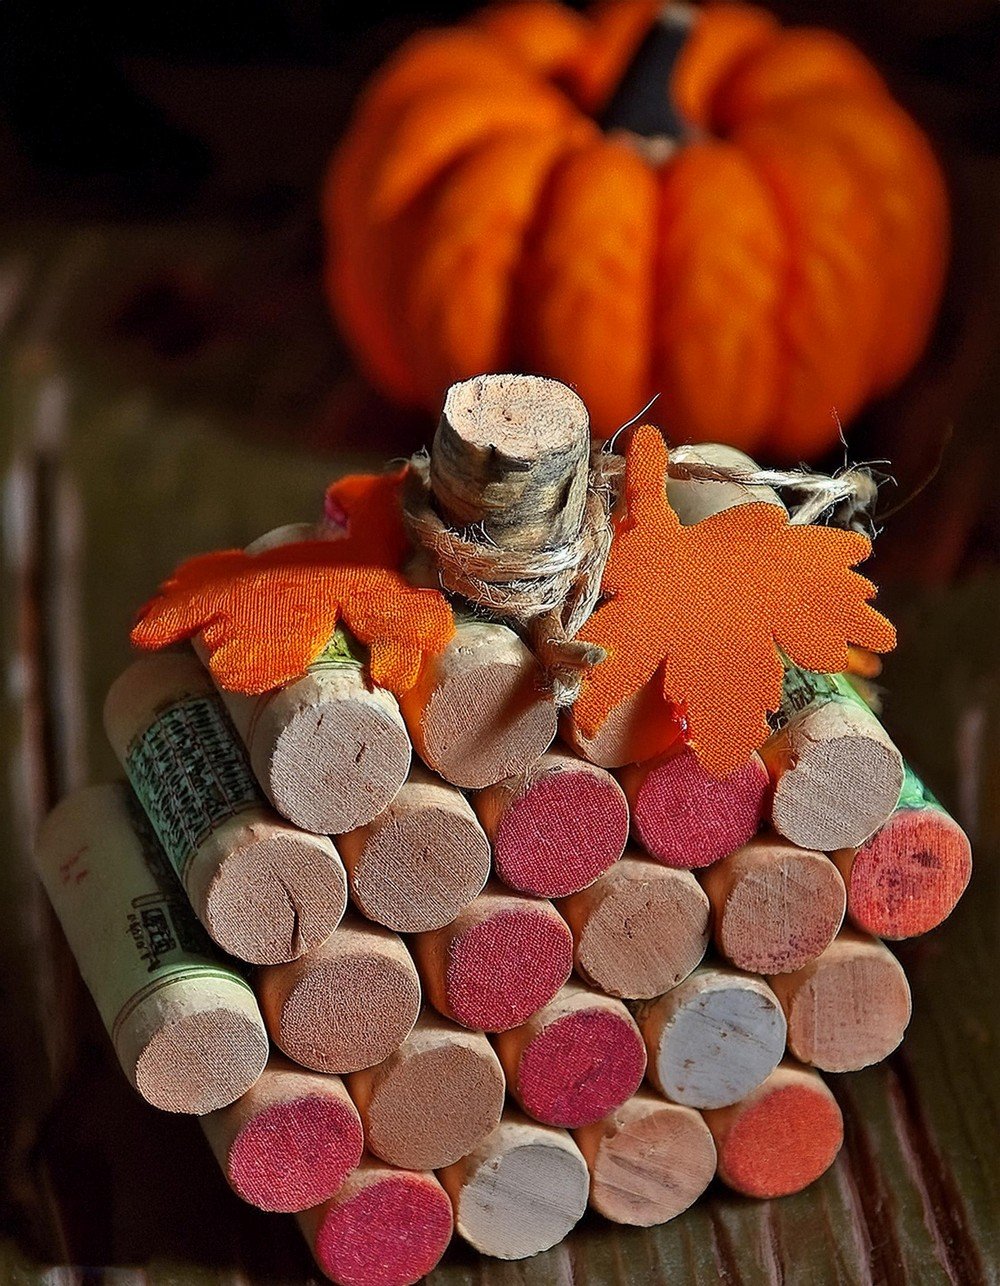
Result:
<point x="711" y="604"/>
<point x="367" y="509"/>
<point x="266" y="617"/>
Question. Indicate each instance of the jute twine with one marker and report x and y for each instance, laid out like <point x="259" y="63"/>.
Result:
<point x="547" y="594"/>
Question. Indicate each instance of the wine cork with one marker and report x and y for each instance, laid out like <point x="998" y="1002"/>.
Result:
<point x="835" y="772"/>
<point x="265" y="891"/>
<point x="575" y="1060"/>
<point x="555" y="826"/>
<point x="347" y="1004"/>
<point x="908" y="877"/>
<point x="290" y="1141"/>
<point x="781" y="1137"/>
<point x="714" y="1038"/>
<point x="384" y="1227"/>
<point x="329" y="750"/>
<point x="421" y="861"/>
<point x="480" y="710"/>
<point x="775" y="907"/>
<point x="849" y="1007"/>
<point x="184" y="1024"/>
<point x="432" y="1100"/>
<point x="649" y="1160"/>
<point x="638" y="728"/>
<point x="502" y="958"/>
<point x="639" y="929"/>
<point x="684" y="817"/>
<point x="512" y="454"/>
<point x="693" y="501"/>
<point x="521" y="1191"/>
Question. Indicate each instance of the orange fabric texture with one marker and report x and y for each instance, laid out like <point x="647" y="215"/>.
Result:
<point x="367" y="507"/>
<point x="781" y="258"/>
<point x="713" y="602"/>
<point x="265" y="618"/>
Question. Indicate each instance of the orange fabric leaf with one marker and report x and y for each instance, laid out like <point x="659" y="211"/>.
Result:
<point x="713" y="602"/>
<point x="267" y="617"/>
<point x="367" y="508"/>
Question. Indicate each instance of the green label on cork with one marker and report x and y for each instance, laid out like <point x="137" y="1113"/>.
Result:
<point x="190" y="773"/>
<point x="342" y="650"/>
<point x="803" y="687"/>
<point x="915" y="794"/>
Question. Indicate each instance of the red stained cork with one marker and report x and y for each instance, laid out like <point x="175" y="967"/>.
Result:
<point x="385" y="1227"/>
<point x="685" y="818"/>
<point x="502" y="958"/>
<point x="580" y="1057"/>
<point x="908" y="877"/>
<point x="555" y="827"/>
<point x="781" y="1138"/>
<point x="293" y="1155"/>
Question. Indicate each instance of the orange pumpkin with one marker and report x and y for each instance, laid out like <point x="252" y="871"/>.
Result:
<point x="643" y="200"/>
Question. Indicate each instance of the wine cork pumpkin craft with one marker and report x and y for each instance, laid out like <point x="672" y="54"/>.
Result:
<point x="624" y="194"/>
<point x="556" y="966"/>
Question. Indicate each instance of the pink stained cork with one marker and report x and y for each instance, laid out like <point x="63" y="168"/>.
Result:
<point x="385" y="1227"/>
<point x="556" y="826"/>
<point x="502" y="958"/>
<point x="577" y="1059"/>
<point x="909" y="876"/>
<point x="290" y="1142"/>
<point x="780" y="1138"/>
<point x="685" y="818"/>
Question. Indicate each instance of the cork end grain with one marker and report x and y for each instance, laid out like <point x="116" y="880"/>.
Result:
<point x="275" y="894"/>
<point x="781" y="1140"/>
<point x="562" y="830"/>
<point x="908" y="878"/>
<point x="390" y="1229"/>
<point x="435" y="1106"/>
<point x="295" y="1154"/>
<point x="686" y="818"/>
<point x="640" y="929"/>
<point x="204" y="1059"/>
<point x="649" y="1161"/>
<point x="580" y="1067"/>
<point x="337" y="763"/>
<point x="506" y="966"/>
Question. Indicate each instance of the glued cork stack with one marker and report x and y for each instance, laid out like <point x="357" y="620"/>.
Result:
<point x="290" y="1142"/>
<point x="329" y="750"/>
<point x="775" y="907"/>
<point x="184" y="1024"/>
<point x="347" y="1004"/>
<point x="520" y="1191"/>
<point x="574" y="1061"/>
<point x="556" y="826"/>
<point x="501" y="958"/>
<point x="432" y="1100"/>
<point x="649" y="1160"/>
<point x="714" y="1038"/>
<point x="416" y="865"/>
<point x="266" y="891"/>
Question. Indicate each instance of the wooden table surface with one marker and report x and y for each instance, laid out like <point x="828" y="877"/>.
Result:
<point x="140" y="425"/>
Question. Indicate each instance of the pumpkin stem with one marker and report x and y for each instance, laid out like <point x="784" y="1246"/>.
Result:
<point x="641" y="105"/>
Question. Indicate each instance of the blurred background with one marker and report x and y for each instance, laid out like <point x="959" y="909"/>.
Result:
<point x="172" y="381"/>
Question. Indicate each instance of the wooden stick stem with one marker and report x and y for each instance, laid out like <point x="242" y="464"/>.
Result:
<point x="265" y="890"/>
<point x="185" y="1026"/>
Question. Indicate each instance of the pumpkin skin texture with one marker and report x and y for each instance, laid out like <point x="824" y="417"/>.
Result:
<point x="769" y="267"/>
